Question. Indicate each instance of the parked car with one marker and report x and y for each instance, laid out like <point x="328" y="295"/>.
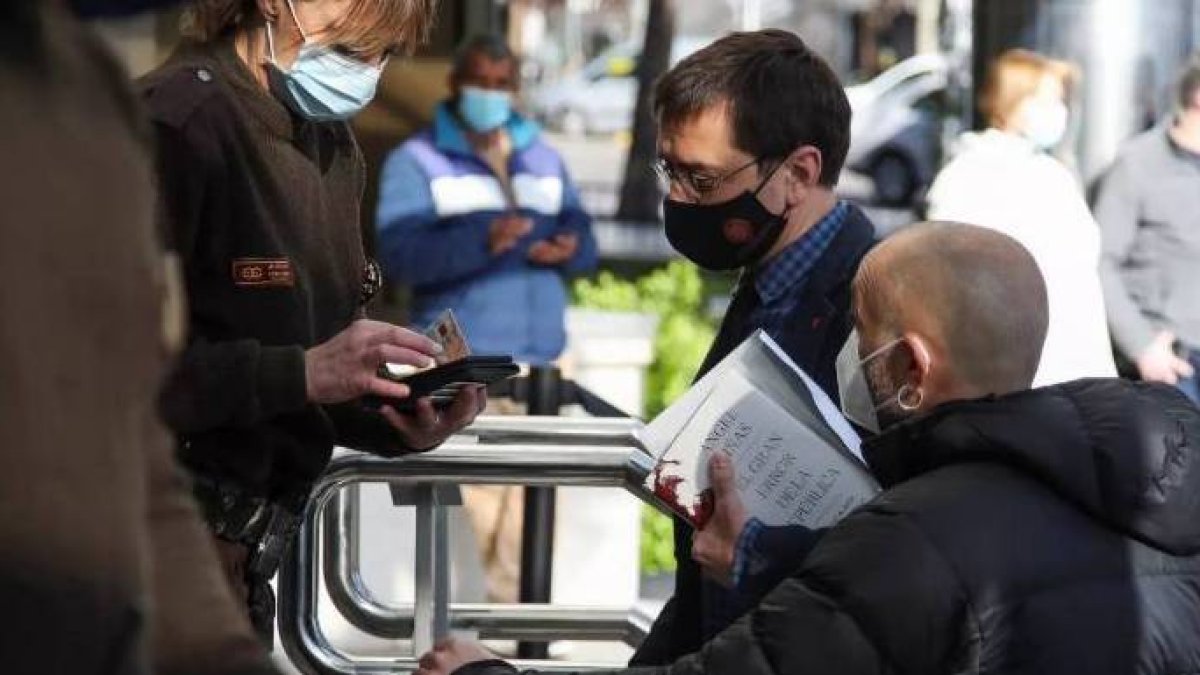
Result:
<point x="600" y="97"/>
<point x="895" y="134"/>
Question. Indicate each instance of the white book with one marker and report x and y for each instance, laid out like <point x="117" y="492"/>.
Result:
<point x="796" y="459"/>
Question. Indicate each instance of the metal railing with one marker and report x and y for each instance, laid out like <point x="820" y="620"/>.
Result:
<point x="530" y="451"/>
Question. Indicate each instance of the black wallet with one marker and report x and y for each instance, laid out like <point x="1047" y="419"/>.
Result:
<point x="442" y="384"/>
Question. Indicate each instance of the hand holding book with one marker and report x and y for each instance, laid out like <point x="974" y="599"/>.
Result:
<point x="714" y="545"/>
<point x="794" y="458"/>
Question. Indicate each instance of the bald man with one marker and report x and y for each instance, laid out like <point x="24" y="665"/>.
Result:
<point x="1020" y="531"/>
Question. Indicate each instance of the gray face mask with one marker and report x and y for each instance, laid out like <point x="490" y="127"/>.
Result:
<point x="858" y="401"/>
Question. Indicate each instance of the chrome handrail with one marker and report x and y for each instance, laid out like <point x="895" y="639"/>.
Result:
<point x="496" y="450"/>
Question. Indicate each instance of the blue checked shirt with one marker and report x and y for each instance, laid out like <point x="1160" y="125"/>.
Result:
<point x="747" y="558"/>
<point x="778" y="286"/>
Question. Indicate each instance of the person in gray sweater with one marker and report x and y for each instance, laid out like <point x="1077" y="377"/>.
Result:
<point x="1148" y="209"/>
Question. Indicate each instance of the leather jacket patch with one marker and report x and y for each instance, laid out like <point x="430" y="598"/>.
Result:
<point x="264" y="272"/>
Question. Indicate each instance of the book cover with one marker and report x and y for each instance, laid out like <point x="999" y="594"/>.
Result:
<point x="795" y="458"/>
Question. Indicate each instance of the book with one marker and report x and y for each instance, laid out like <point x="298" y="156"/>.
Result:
<point x="796" y="459"/>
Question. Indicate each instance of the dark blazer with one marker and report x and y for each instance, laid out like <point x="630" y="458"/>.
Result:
<point x="813" y="338"/>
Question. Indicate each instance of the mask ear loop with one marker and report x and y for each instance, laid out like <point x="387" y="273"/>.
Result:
<point x="296" y="20"/>
<point x="771" y="175"/>
<point x="271" y="43"/>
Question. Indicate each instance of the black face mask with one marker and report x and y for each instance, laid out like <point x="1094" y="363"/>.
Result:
<point x="723" y="236"/>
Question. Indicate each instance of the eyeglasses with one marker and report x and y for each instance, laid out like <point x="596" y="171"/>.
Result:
<point x="698" y="182"/>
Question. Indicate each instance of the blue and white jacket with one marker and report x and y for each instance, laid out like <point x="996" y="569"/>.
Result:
<point x="437" y="202"/>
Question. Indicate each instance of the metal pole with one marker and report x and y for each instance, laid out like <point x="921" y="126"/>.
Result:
<point x="537" y="537"/>
<point x="431" y="620"/>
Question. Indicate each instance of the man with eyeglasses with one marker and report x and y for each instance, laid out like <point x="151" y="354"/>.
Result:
<point x="753" y="131"/>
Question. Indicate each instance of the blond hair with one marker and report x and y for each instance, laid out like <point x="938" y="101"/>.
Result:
<point x="374" y="26"/>
<point x="1013" y="77"/>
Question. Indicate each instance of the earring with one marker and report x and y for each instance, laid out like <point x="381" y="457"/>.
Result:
<point x="904" y="398"/>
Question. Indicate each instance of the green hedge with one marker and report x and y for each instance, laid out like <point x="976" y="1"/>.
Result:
<point x="676" y="293"/>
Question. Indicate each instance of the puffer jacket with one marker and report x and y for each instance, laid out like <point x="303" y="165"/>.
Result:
<point x="437" y="200"/>
<point x="1050" y="531"/>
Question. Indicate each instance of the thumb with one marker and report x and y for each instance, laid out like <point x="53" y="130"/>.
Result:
<point x="1183" y="368"/>
<point x="720" y="475"/>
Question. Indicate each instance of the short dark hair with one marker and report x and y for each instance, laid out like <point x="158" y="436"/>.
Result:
<point x="1189" y="84"/>
<point x="494" y="47"/>
<point x="780" y="94"/>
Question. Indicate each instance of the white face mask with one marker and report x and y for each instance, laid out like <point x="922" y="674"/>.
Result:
<point x="322" y="85"/>
<point x="858" y="401"/>
<point x="1044" y="122"/>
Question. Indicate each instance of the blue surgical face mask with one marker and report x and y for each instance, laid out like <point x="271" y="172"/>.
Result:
<point x="322" y="85"/>
<point x="484" y="109"/>
<point x="1045" y="123"/>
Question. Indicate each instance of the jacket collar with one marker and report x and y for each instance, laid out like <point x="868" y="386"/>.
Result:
<point x="450" y="136"/>
<point x="839" y="263"/>
<point x="1124" y="452"/>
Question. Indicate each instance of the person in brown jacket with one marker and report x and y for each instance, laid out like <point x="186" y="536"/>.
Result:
<point x="261" y="183"/>
<point x="104" y="565"/>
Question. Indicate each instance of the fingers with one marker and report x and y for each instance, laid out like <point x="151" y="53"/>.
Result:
<point x="549" y="253"/>
<point x="395" y="419"/>
<point x="428" y="660"/>
<point x="1182" y="368"/>
<point x="424" y="428"/>
<point x="507" y="230"/>
<point x="700" y="547"/>
<point x="426" y="415"/>
<point x="706" y="553"/>
<point x="720" y="475"/>
<point x="419" y="428"/>
<point x="388" y="353"/>
<point x="395" y="336"/>
<point x="467" y="405"/>
<point x="388" y="389"/>
<point x="568" y="243"/>
<point x="502" y="247"/>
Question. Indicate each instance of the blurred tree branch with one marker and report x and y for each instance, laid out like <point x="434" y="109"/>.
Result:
<point x="640" y="196"/>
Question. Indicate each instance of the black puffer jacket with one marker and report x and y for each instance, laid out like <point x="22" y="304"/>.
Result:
<point x="1052" y="531"/>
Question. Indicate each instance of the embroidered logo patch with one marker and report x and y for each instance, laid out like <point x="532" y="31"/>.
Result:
<point x="264" y="272"/>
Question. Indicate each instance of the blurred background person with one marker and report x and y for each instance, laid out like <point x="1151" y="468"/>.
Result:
<point x="1148" y="208"/>
<point x="105" y="566"/>
<point x="1006" y="178"/>
<point x="478" y="214"/>
<point x="262" y="183"/>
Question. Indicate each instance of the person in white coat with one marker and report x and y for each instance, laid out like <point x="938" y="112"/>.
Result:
<point x="1005" y="178"/>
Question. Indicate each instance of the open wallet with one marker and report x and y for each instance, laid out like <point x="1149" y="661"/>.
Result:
<point x="442" y="384"/>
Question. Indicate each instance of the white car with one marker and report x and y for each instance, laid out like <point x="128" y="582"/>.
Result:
<point x="600" y="97"/>
<point x="895" y="134"/>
